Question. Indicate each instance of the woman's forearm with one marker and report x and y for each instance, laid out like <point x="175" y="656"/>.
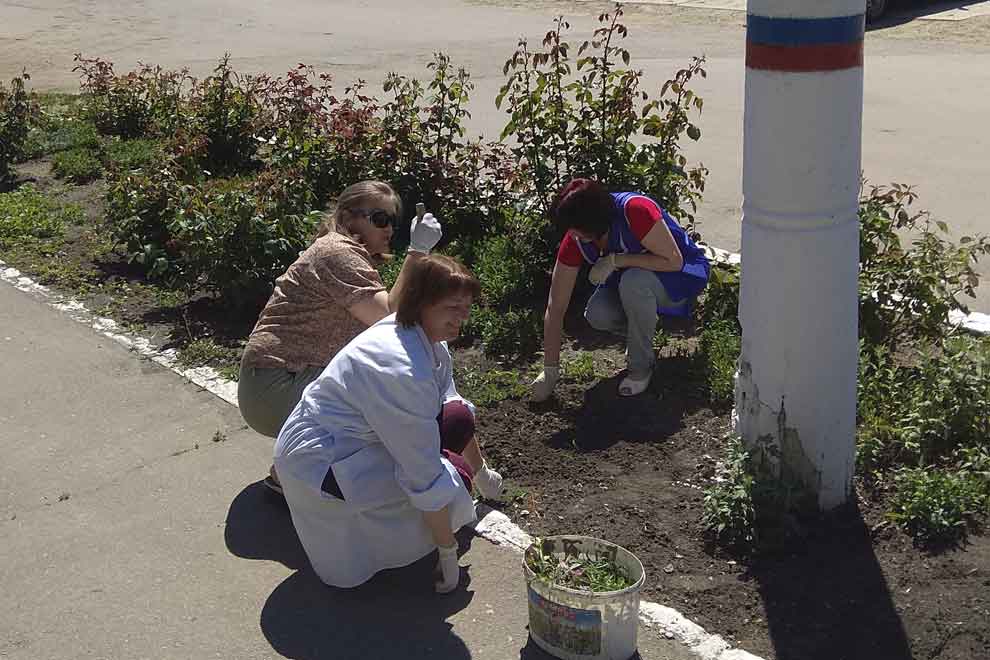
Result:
<point x="650" y="261"/>
<point x="553" y="328"/>
<point x="438" y="523"/>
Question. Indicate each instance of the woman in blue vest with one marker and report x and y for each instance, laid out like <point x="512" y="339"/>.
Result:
<point x="642" y="263"/>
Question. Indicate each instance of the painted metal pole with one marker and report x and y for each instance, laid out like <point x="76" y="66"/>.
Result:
<point x="796" y="386"/>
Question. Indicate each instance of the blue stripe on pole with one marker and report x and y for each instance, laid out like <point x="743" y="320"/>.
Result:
<point x="805" y="31"/>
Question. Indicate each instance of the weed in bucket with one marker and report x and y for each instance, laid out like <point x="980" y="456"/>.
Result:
<point x="596" y="573"/>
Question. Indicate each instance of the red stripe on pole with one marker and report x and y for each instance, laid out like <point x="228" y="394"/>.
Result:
<point x="799" y="59"/>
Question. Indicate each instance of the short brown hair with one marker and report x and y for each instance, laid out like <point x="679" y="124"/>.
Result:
<point x="431" y="279"/>
<point x="583" y="204"/>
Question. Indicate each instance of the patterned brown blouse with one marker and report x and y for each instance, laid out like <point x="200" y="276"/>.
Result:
<point x="306" y="321"/>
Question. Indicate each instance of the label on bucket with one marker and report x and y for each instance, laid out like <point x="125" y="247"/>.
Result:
<point x="576" y="631"/>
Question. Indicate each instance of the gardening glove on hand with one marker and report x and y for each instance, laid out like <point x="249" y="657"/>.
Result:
<point x="424" y="234"/>
<point x="488" y="482"/>
<point x="604" y="267"/>
<point x="449" y="569"/>
<point x="544" y="383"/>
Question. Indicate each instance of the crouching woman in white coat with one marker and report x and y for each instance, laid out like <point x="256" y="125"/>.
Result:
<point x="376" y="460"/>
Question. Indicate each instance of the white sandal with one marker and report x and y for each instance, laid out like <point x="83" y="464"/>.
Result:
<point x="634" y="386"/>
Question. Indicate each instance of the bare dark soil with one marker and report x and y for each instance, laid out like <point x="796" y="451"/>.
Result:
<point x="632" y="471"/>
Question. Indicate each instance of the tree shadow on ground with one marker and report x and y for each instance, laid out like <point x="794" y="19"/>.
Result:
<point x="395" y="614"/>
<point x="825" y="594"/>
<point x="905" y="11"/>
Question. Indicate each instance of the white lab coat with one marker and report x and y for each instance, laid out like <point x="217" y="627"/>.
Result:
<point x="371" y="416"/>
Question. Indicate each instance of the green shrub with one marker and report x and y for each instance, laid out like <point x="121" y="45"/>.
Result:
<point x="720" y="300"/>
<point x="590" y="117"/>
<point x="226" y="114"/>
<point x="921" y="413"/>
<point x="505" y="271"/>
<point x="26" y="213"/>
<point x="140" y="206"/>
<point x="16" y="111"/>
<point x="236" y="237"/>
<point x="907" y="293"/>
<point x="132" y="154"/>
<point x="77" y="165"/>
<point x="512" y="332"/>
<point x="719" y="347"/>
<point x="936" y="505"/>
<point x="729" y="512"/>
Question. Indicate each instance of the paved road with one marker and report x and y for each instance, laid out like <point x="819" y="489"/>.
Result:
<point x="927" y="82"/>
<point x="127" y="532"/>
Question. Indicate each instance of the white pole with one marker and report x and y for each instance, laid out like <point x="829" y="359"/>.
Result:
<point x="796" y="387"/>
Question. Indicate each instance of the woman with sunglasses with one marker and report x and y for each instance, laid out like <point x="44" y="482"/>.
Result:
<point x="326" y="298"/>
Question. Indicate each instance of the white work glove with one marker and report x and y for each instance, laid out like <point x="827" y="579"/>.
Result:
<point x="544" y="383"/>
<point x="449" y="569"/>
<point x="604" y="267"/>
<point x="424" y="233"/>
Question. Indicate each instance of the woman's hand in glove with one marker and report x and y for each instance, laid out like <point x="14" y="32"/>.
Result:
<point x="604" y="267"/>
<point x="449" y="569"/>
<point x="544" y="383"/>
<point x="424" y="233"/>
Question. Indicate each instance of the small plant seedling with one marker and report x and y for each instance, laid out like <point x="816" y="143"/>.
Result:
<point x="219" y="436"/>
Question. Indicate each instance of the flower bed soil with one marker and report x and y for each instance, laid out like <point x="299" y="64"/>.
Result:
<point x="632" y="471"/>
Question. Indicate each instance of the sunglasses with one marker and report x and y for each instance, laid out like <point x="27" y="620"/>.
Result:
<point x="378" y="217"/>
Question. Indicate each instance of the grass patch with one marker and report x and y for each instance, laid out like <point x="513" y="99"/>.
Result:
<point x="26" y="214"/>
<point x="131" y="154"/>
<point x="79" y="165"/>
<point x="487" y="388"/>
<point x="205" y="352"/>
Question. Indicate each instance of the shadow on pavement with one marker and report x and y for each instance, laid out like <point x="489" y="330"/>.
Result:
<point x="259" y="527"/>
<point x="828" y="597"/>
<point x="395" y="614"/>
<point x="905" y="11"/>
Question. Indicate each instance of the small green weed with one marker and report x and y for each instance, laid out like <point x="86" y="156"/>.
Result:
<point x="580" y="367"/>
<point x="55" y="133"/>
<point x="80" y="165"/>
<point x="729" y="510"/>
<point x="488" y="387"/>
<point x="936" y="505"/>
<point x="719" y="348"/>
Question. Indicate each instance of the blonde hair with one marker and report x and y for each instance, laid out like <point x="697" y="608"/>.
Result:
<point x="354" y="196"/>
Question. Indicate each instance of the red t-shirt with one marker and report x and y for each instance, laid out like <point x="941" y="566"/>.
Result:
<point x="642" y="214"/>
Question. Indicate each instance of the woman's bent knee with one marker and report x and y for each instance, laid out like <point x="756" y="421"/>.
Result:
<point x="457" y="426"/>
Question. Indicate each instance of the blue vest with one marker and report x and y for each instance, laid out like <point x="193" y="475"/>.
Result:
<point x="684" y="285"/>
